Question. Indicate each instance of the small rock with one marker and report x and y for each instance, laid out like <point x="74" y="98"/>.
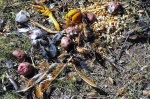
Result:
<point x="22" y="16"/>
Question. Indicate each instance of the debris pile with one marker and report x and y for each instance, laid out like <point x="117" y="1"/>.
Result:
<point x="85" y="34"/>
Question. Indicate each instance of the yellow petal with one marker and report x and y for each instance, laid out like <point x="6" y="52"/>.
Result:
<point x="73" y="16"/>
<point x="71" y="13"/>
<point x="77" y="18"/>
<point x="57" y="27"/>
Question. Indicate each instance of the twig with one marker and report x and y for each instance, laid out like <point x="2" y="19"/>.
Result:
<point x="12" y="81"/>
<point x="42" y="27"/>
<point x="32" y="57"/>
<point x="4" y="87"/>
<point x="134" y="30"/>
<point x="97" y="9"/>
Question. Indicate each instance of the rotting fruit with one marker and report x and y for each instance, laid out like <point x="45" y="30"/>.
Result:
<point x="20" y="55"/>
<point x="71" y="30"/>
<point x="25" y="69"/>
<point x="113" y="7"/>
<point x="90" y="17"/>
<point x="66" y="42"/>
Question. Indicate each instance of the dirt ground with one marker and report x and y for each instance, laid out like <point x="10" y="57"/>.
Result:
<point x="122" y="71"/>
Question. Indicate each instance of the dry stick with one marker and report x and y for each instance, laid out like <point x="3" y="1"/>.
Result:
<point x="32" y="57"/>
<point x="42" y="27"/>
<point x="91" y="10"/>
<point x="36" y="77"/>
<point x="12" y="81"/>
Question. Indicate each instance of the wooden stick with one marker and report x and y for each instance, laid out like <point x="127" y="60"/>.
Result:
<point x="12" y="81"/>
<point x="91" y="10"/>
<point x="42" y="27"/>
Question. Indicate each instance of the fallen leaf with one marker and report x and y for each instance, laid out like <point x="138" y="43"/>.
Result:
<point x="2" y="34"/>
<point x="62" y="55"/>
<point x="83" y="50"/>
<point x="38" y="91"/>
<point x="121" y="91"/>
<point x="111" y="80"/>
<point x="37" y="78"/>
<point x="33" y="81"/>
<point x="146" y="93"/>
<point x="46" y="83"/>
<point x="92" y="95"/>
<point x="43" y="64"/>
<point x="48" y="13"/>
<point x="137" y="77"/>
<point x="84" y="77"/>
<point x="72" y="76"/>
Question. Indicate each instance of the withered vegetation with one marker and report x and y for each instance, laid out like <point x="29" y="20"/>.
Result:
<point x="77" y="49"/>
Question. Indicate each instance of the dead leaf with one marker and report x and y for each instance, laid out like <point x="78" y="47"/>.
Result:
<point x="43" y="64"/>
<point x="146" y="93"/>
<point x="121" y="91"/>
<point x="148" y="67"/>
<point x="41" y="76"/>
<point x="83" y="76"/>
<point x="83" y="50"/>
<point x="137" y="77"/>
<point x="71" y="76"/>
<point x="38" y="91"/>
<point x="46" y="83"/>
<point x="62" y="55"/>
<point x="92" y="95"/>
<point x="33" y="81"/>
<point x="2" y="34"/>
<point x="36" y="79"/>
<point x="111" y="80"/>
